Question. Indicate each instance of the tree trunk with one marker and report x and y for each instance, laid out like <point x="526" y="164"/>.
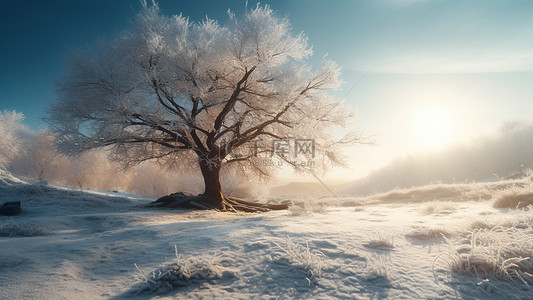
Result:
<point x="213" y="188"/>
<point x="212" y="198"/>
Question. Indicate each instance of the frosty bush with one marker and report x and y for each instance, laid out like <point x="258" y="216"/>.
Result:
<point x="182" y="272"/>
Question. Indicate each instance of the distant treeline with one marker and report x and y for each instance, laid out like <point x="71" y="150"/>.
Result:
<point x="32" y="154"/>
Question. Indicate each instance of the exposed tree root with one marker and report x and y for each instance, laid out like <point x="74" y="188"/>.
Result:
<point x="181" y="200"/>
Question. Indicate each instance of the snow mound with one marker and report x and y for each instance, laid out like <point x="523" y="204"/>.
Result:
<point x="446" y="192"/>
<point x="6" y="179"/>
<point x="12" y="261"/>
<point x="438" y="207"/>
<point x="41" y="198"/>
<point x="11" y="229"/>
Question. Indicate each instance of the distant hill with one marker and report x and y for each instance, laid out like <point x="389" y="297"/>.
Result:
<point x="301" y="189"/>
<point x="505" y="155"/>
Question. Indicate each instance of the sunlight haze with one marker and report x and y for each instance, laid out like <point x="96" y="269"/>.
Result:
<point x="470" y="60"/>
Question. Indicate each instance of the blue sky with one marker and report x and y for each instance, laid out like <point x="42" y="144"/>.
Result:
<point x="472" y="60"/>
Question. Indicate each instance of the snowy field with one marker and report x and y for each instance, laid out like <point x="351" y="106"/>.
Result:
<point x="434" y="242"/>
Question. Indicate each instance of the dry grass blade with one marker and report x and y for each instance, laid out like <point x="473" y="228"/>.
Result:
<point x="301" y="257"/>
<point x="505" y="253"/>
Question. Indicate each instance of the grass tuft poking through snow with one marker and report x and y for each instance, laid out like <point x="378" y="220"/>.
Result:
<point x="301" y="257"/>
<point x="381" y="241"/>
<point x="504" y="253"/>
<point x="376" y="268"/>
<point x="304" y="208"/>
<point x="520" y="218"/>
<point x="514" y="197"/>
<point x="438" y="207"/>
<point x="182" y="272"/>
<point x="428" y="233"/>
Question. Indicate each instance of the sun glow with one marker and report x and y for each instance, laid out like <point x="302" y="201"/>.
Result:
<point x="433" y="128"/>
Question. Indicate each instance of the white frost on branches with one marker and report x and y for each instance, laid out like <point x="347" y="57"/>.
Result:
<point x="10" y="135"/>
<point x="183" y="92"/>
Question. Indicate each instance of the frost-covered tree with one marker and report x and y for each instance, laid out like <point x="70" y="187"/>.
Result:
<point x="12" y="133"/>
<point x="39" y="160"/>
<point x="200" y="95"/>
<point x="94" y="170"/>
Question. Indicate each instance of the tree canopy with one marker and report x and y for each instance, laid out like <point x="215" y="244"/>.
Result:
<point x="11" y="133"/>
<point x="202" y="94"/>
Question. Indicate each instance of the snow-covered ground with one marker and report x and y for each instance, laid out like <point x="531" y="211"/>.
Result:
<point x="421" y="243"/>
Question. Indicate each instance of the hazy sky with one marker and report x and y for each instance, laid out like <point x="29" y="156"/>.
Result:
<point x="430" y="72"/>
